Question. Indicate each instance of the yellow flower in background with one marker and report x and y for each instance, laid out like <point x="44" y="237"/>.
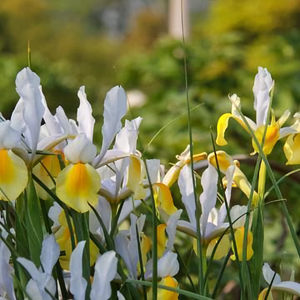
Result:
<point x="13" y="170"/>
<point x="239" y="239"/>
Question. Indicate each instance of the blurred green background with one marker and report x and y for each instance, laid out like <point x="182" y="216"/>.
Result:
<point x="101" y="43"/>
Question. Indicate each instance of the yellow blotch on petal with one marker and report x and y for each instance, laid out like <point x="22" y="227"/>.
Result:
<point x="292" y="149"/>
<point x="271" y="138"/>
<point x="263" y="294"/>
<point x="77" y="185"/>
<point x="135" y="178"/>
<point x="239" y="239"/>
<point x="13" y="175"/>
<point x="161" y="239"/>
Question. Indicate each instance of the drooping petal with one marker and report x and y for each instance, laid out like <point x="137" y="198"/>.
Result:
<point x="81" y="149"/>
<point x="263" y="84"/>
<point x="239" y="239"/>
<point x="77" y="185"/>
<point x="78" y="284"/>
<point x="165" y="199"/>
<point x="115" y="105"/>
<point x="84" y="115"/>
<point x="222" y="249"/>
<point x="105" y="272"/>
<point x="13" y="175"/>
<point x="291" y="149"/>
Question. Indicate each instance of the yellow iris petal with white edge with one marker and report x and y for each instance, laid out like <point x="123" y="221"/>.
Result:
<point x="13" y="175"/>
<point x="263" y="294"/>
<point x="77" y="185"/>
<point x="239" y="239"/>
<point x="271" y="138"/>
<point x="292" y="149"/>
<point x="135" y="179"/>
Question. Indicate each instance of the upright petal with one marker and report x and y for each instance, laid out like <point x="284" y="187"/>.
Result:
<point x="84" y="115"/>
<point x="28" y="87"/>
<point x="115" y="105"/>
<point x="263" y="84"/>
<point x="50" y="253"/>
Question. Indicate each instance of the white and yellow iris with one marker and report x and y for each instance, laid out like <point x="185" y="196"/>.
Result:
<point x="13" y="170"/>
<point x="78" y="184"/>
<point x="262" y="88"/>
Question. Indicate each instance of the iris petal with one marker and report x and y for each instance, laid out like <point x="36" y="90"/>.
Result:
<point x="77" y="185"/>
<point x="13" y="175"/>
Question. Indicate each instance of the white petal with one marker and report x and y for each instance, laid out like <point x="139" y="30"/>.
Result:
<point x="84" y="115"/>
<point x="153" y="166"/>
<point x="208" y="198"/>
<point x="50" y="253"/>
<point x="235" y="213"/>
<point x="263" y="84"/>
<point x="77" y="283"/>
<point x="115" y="105"/>
<point x="269" y="273"/>
<point x="17" y="118"/>
<point x="30" y="267"/>
<point x="120" y="296"/>
<point x="105" y="272"/>
<point x="288" y="286"/>
<point x="127" y="136"/>
<point x="185" y="184"/>
<point x="81" y="149"/>
<point x="28" y="87"/>
<point x="171" y="228"/>
<point x="9" y="138"/>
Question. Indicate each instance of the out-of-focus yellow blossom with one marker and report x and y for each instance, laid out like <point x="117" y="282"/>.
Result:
<point x="239" y="239"/>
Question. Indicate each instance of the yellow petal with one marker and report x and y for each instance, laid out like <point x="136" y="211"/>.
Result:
<point x="161" y="239"/>
<point x="168" y="295"/>
<point x="13" y="175"/>
<point x="272" y="136"/>
<point x="135" y="178"/>
<point x="221" y="128"/>
<point x="263" y="294"/>
<point x="165" y="199"/>
<point x="291" y="149"/>
<point x="222" y="249"/>
<point x="164" y="294"/>
<point x="145" y="248"/>
<point x="77" y="185"/>
<point x="224" y="160"/>
<point x="239" y="239"/>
